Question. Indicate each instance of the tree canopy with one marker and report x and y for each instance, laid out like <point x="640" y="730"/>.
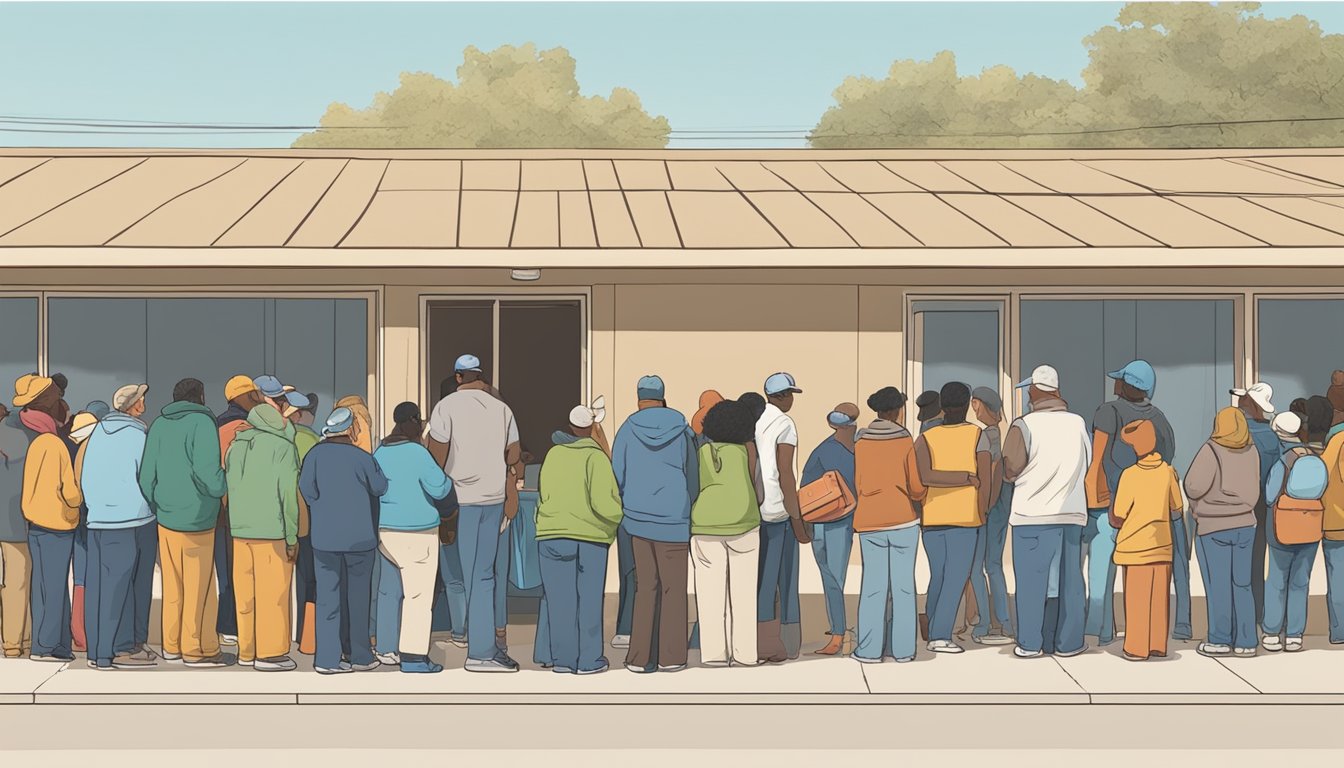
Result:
<point x="1161" y="64"/>
<point x="511" y="97"/>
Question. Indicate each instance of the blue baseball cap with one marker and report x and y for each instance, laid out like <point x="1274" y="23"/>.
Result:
<point x="339" y="421"/>
<point x="297" y="399"/>
<point x="779" y="383"/>
<point x="651" y="388"/>
<point x="269" y="386"/>
<point x="467" y="363"/>
<point x="1138" y="374"/>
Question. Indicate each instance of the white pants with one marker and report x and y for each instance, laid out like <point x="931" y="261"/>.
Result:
<point x="725" y="596"/>
<point x="416" y="556"/>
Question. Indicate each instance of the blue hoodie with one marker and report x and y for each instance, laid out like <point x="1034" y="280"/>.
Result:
<point x="414" y="482"/>
<point x="110" y="474"/>
<point x="658" y="474"/>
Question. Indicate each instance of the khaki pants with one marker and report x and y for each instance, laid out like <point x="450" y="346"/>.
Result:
<point x="416" y="556"/>
<point x="725" y="596"/>
<point x="261" y="582"/>
<point x="190" y="602"/>
<point x="1146" y="600"/>
<point x="16" y="623"/>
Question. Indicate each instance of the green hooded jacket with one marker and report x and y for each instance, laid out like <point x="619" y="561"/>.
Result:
<point x="181" y="475"/>
<point x="579" y="497"/>
<point x="263" y="473"/>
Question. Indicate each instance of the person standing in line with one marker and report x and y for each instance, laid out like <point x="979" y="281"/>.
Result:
<point x="988" y="582"/>
<point x="708" y="399"/>
<point x="1332" y="545"/>
<point x="930" y="413"/>
<point x="16" y="627"/>
<point x="782" y="527"/>
<point x="1046" y="455"/>
<point x="262" y="466"/>
<point x="474" y="437"/>
<point x="955" y="466"/>
<point x="50" y="503"/>
<point x="242" y="395"/>
<point x="343" y="485"/>
<point x="1289" y="578"/>
<point x="577" y="517"/>
<point x="1255" y="401"/>
<point x="1223" y="485"/>
<point x="832" y="542"/>
<point x="1145" y="500"/>
<point x="1134" y="386"/>
<point x="887" y="483"/>
<point x="725" y="543"/>
<point x="408" y="536"/>
<point x="182" y="478"/>
<point x="300" y="410"/>
<point x="658" y="477"/>
<point x="362" y="432"/>
<point x="96" y="409"/>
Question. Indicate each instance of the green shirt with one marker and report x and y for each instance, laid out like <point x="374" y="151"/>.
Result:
<point x="727" y="503"/>
<point x="579" y="497"/>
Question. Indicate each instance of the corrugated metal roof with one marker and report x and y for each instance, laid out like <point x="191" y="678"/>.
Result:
<point x="672" y="199"/>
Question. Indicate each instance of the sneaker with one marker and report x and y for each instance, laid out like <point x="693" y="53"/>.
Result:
<point x="390" y="659"/>
<point x="131" y="661"/>
<point x="620" y="641"/>
<point x="1293" y="645"/>
<point x="507" y="661"/>
<point x="905" y="659"/>
<point x="671" y="668"/>
<point x="1244" y="653"/>
<point x="171" y="658"/>
<point x="638" y="670"/>
<point x="492" y="665"/>
<point x="1273" y="643"/>
<point x="421" y="667"/>
<point x="562" y="670"/>
<point x="372" y="665"/>
<point x="276" y="664"/>
<point x="145" y="653"/>
<point x="993" y="638"/>
<point x="1131" y="657"/>
<point x="945" y="646"/>
<point x="341" y="669"/>
<point x="1213" y="649"/>
<point x="501" y="641"/>
<point x="51" y="658"/>
<point x="1023" y="653"/>
<point x="228" y="639"/>
<point x="1070" y="654"/>
<point x="864" y="659"/>
<point x="247" y="662"/>
<point x="212" y="662"/>
<point x="595" y="670"/>
<point x="459" y="641"/>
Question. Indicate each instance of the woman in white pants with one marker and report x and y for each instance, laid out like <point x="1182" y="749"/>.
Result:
<point x="724" y="538"/>
<point x="408" y="531"/>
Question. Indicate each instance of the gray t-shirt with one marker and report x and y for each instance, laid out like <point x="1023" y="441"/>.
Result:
<point x="478" y="428"/>
<point x="991" y="441"/>
<point x="1111" y="417"/>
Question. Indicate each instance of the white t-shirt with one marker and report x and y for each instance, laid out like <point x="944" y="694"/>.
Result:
<point x="478" y="429"/>
<point x="774" y="429"/>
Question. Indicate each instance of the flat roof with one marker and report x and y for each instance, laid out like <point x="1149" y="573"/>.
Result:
<point x="689" y="200"/>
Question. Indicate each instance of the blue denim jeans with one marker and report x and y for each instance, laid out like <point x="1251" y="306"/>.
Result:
<point x="1180" y="577"/>
<point x="951" y="552"/>
<point x="478" y="545"/>
<point x="1046" y="556"/>
<point x="778" y="571"/>
<point x="988" y="581"/>
<point x="573" y="576"/>
<point x="625" y="598"/>
<point x="503" y="559"/>
<point x="1286" y="586"/>
<point x="831" y="545"/>
<point x="387" y="616"/>
<point x="80" y="561"/>
<point x="227" y="621"/>
<point x="1099" y="541"/>
<point x="1225" y="563"/>
<point x="454" y="588"/>
<point x="887" y="623"/>
<point x="344" y="586"/>
<point x="49" y="597"/>
<point x="115" y="590"/>
<point x="1334" y="587"/>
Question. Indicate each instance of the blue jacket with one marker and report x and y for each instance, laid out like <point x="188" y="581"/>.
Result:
<point x="109" y="475"/>
<point x="658" y="474"/>
<point x="342" y="485"/>
<point x="830" y="455"/>
<point x="1269" y="447"/>
<point x="414" y="482"/>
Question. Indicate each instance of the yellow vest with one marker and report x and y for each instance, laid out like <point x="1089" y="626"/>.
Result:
<point x="952" y="449"/>
<point x="1333" y="498"/>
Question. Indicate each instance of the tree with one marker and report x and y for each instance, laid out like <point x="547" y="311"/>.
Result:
<point x="1163" y="64"/>
<point x="507" y="98"/>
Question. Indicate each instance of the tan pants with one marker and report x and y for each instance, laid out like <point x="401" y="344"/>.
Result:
<point x="725" y="596"/>
<point x="190" y="599"/>
<point x="1146" y="600"/>
<point x="262" y="576"/>
<point x="16" y="623"/>
<point x="416" y="556"/>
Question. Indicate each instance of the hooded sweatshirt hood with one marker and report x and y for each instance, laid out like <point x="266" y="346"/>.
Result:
<point x="182" y="408"/>
<point x="267" y="419"/>
<point x="115" y="422"/>
<point x="658" y="474"/>
<point x="656" y="427"/>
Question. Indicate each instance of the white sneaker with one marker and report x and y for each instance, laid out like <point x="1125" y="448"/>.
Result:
<point x="367" y="667"/>
<point x="277" y="664"/>
<point x="865" y="659"/>
<point x="1293" y="645"/>
<point x="340" y="670"/>
<point x="390" y="659"/>
<point x="1023" y="653"/>
<point x="945" y="646"/>
<point x="228" y="639"/>
<point x="620" y="641"/>
<point x="1213" y="649"/>
<point x="1272" y="643"/>
<point x="488" y="665"/>
<point x="1245" y="653"/>
<point x="170" y="657"/>
<point x="905" y="659"/>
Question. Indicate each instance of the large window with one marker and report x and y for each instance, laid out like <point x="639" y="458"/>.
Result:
<point x="1296" y="346"/>
<point x="318" y="345"/>
<point x="18" y="341"/>
<point x="957" y="341"/>
<point x="1189" y="342"/>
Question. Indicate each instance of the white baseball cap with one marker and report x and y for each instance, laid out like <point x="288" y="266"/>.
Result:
<point x="1259" y="392"/>
<point x="1043" y="377"/>
<point x="1287" y="424"/>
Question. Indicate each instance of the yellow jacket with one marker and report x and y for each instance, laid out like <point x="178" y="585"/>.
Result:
<point x="1334" y="489"/>
<point x="1147" y="495"/>
<point x="51" y="495"/>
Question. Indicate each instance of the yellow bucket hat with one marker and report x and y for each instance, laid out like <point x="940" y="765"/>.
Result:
<point x="28" y="387"/>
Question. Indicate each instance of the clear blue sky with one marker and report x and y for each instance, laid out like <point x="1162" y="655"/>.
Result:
<point x="702" y="65"/>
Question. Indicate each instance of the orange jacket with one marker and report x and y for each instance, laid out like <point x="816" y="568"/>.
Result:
<point x="887" y="478"/>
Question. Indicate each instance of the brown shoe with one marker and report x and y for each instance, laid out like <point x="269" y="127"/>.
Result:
<point x="832" y="646"/>
<point x="769" y="646"/>
<point x="924" y="627"/>
<point x="131" y="661"/>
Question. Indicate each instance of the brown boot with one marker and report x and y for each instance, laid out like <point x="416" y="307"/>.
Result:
<point x="832" y="646"/>
<point x="769" y="646"/>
